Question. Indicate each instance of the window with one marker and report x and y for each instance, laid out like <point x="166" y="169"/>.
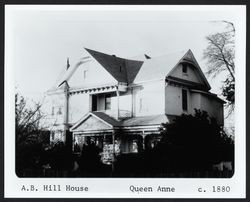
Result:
<point x="107" y="102"/>
<point x="59" y="110"/>
<point x="184" y="99"/>
<point x="184" y="68"/>
<point x="85" y="72"/>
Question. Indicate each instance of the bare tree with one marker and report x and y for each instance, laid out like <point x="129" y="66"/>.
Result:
<point x="28" y="120"/>
<point x="31" y="136"/>
<point x="220" y="55"/>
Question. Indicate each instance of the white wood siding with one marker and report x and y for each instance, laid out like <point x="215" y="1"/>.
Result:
<point x="148" y="98"/>
<point x="95" y="75"/>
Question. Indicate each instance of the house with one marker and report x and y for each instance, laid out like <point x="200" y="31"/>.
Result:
<point x="119" y="104"/>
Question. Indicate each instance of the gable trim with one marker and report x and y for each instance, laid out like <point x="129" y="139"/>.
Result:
<point x="87" y="116"/>
<point x="195" y="64"/>
<point x="195" y="85"/>
<point x="70" y="71"/>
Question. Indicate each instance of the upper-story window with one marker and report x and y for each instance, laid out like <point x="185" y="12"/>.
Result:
<point x="59" y="110"/>
<point x="85" y="73"/>
<point x="184" y="100"/>
<point x="107" y="102"/>
<point x="184" y="67"/>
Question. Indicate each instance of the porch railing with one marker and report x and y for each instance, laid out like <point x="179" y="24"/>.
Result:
<point x="114" y="113"/>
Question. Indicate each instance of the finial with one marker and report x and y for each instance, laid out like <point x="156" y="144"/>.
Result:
<point x="68" y="65"/>
<point x="147" y="57"/>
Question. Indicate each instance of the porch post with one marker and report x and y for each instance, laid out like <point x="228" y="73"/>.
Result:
<point x="113" y="160"/>
<point x="118" y="97"/>
<point x="66" y="108"/>
<point x="73" y="142"/>
<point x="143" y="140"/>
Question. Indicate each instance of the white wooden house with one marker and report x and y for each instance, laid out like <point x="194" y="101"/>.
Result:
<point x="113" y="100"/>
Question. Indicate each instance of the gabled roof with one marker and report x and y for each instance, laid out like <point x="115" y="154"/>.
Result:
<point x="134" y="71"/>
<point x="106" y="119"/>
<point x="153" y="120"/>
<point x="189" y="56"/>
<point x="159" y="67"/>
<point x="123" y="70"/>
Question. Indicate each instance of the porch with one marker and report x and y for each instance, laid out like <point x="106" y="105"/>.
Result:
<point x="114" y="137"/>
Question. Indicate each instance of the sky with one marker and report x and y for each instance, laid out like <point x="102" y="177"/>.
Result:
<point x="41" y="38"/>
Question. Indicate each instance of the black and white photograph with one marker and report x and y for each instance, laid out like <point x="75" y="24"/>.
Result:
<point x="114" y="93"/>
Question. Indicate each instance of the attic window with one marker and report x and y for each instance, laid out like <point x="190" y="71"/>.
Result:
<point x="85" y="72"/>
<point x="184" y="67"/>
<point x="120" y="68"/>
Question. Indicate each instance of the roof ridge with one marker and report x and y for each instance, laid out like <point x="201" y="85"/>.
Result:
<point x="184" y="51"/>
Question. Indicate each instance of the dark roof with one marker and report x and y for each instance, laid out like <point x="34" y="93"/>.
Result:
<point x="129" y="122"/>
<point x="123" y="70"/>
<point x="146" y="120"/>
<point x="107" y="118"/>
<point x="135" y="121"/>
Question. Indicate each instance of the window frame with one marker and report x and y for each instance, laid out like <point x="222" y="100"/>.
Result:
<point x="85" y="72"/>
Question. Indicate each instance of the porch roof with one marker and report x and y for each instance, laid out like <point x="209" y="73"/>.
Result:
<point x="145" y="120"/>
<point x="106" y="118"/>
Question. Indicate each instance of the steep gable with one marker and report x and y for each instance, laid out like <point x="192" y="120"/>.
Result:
<point x="166" y="65"/>
<point x="194" y="72"/>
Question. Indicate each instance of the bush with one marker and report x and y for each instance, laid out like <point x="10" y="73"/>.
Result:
<point x="194" y="143"/>
<point x="90" y="159"/>
<point x="60" y="157"/>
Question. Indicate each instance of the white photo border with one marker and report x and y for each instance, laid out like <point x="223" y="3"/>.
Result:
<point x="119" y="187"/>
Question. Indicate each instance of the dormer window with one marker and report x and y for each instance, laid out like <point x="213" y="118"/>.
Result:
<point x="184" y="67"/>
